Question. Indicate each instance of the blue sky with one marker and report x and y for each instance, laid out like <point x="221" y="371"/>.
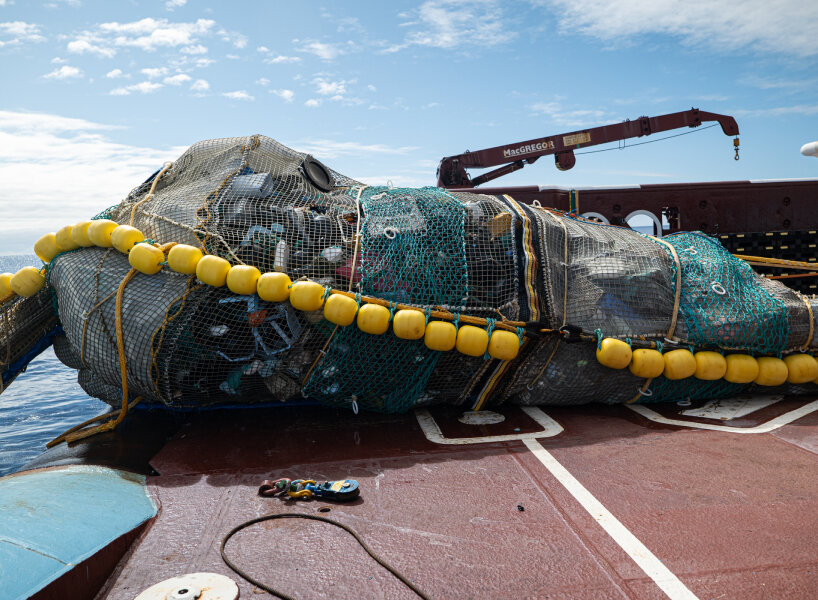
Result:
<point x="97" y="95"/>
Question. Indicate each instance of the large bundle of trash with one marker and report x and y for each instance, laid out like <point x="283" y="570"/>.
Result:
<point x="479" y="299"/>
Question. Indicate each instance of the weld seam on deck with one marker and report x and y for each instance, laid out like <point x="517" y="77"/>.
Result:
<point x="639" y="553"/>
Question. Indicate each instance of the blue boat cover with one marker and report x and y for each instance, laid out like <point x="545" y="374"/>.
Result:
<point x="54" y="519"/>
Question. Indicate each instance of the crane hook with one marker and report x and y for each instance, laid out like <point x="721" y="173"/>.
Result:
<point x="735" y="144"/>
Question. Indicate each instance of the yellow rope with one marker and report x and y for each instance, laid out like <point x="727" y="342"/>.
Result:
<point x="676" y="302"/>
<point x="763" y="261"/>
<point x="149" y="195"/>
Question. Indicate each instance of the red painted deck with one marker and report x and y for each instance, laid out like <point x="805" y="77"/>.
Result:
<point x="728" y="515"/>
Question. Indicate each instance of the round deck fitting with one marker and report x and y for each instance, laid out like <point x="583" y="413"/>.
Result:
<point x="193" y="586"/>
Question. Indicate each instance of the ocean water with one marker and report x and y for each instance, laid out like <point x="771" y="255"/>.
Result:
<point x="41" y="403"/>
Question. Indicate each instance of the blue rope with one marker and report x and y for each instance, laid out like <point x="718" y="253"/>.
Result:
<point x="520" y="333"/>
<point x="489" y="330"/>
<point x="598" y="334"/>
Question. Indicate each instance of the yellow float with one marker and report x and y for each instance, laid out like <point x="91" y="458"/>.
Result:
<point x="306" y="295"/>
<point x="340" y="309"/>
<point x="373" y="318"/>
<point x="79" y="234"/>
<point x="242" y="279"/>
<point x="710" y="366"/>
<point x="472" y="341"/>
<point x="65" y="240"/>
<point x="614" y="353"/>
<point x="184" y="259"/>
<point x="125" y="237"/>
<point x="647" y="363"/>
<point x="802" y="368"/>
<point x="212" y="270"/>
<point x="46" y="247"/>
<point x="27" y="281"/>
<point x="440" y="335"/>
<point x="504" y="345"/>
<point x="409" y="324"/>
<point x="99" y="232"/>
<point x="272" y="287"/>
<point x="771" y="371"/>
<point x="741" y="368"/>
<point x="5" y="284"/>
<point x="146" y="259"/>
<point x="679" y="364"/>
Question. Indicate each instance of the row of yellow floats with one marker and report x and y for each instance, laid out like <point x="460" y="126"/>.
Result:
<point x="339" y="308"/>
<point x="410" y="324"/>
<point x="707" y="365"/>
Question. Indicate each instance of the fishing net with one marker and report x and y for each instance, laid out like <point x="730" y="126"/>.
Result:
<point x="256" y="202"/>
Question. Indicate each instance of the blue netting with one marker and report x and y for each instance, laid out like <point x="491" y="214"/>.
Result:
<point x="412" y="251"/>
<point x="105" y="214"/>
<point x="723" y="304"/>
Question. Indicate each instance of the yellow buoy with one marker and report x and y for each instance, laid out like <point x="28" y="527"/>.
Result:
<point x="46" y="247"/>
<point x="146" y="259"/>
<point x="801" y="368"/>
<point x="212" y="270"/>
<point x="647" y="363"/>
<point x="5" y="284"/>
<point x="614" y="353"/>
<point x="771" y="371"/>
<point x="472" y="341"/>
<point x="373" y="318"/>
<point x="440" y="335"/>
<point x="274" y="287"/>
<point x="710" y="366"/>
<point x="125" y="237"/>
<point x="340" y="309"/>
<point x="64" y="239"/>
<point x="242" y="279"/>
<point x="99" y="232"/>
<point x="679" y="364"/>
<point x="504" y="345"/>
<point x="741" y="368"/>
<point x="500" y="224"/>
<point x="27" y="281"/>
<point x="306" y="295"/>
<point x="409" y="324"/>
<point x="183" y="258"/>
<point x="79" y="233"/>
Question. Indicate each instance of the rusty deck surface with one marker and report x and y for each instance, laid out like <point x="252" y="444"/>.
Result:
<point x="587" y="502"/>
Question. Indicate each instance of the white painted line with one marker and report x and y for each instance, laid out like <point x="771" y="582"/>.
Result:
<point x="732" y="408"/>
<point x="643" y="557"/>
<point x="432" y="431"/>
<point x="770" y="425"/>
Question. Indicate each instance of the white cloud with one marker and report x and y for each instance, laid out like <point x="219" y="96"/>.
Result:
<point x="371" y="88"/>
<point x="322" y="50"/>
<point x="147" y="34"/>
<point x="200" y="85"/>
<point x="19" y="32"/>
<point x="333" y="149"/>
<point x="6" y="2"/>
<point x="63" y="156"/>
<point x="783" y="26"/>
<point x="195" y="49"/>
<point x="178" y="79"/>
<point x="326" y="88"/>
<point x="263" y="49"/>
<point x="65" y="72"/>
<point x="263" y="81"/>
<point x="204" y="62"/>
<point x="286" y="95"/>
<point x="238" y="95"/>
<point x="571" y="117"/>
<point x="281" y="59"/>
<point x="114" y="74"/>
<point x="154" y="72"/>
<point x="313" y="103"/>
<point x="798" y="109"/>
<point x="451" y="24"/>
<point x="237" y="39"/>
<point x="171" y="4"/>
<point x="58" y="61"/>
<point x="145" y="87"/>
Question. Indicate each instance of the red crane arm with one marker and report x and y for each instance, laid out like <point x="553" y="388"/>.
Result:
<point x="452" y="170"/>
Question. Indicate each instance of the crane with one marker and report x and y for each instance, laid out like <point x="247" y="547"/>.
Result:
<point x="452" y="173"/>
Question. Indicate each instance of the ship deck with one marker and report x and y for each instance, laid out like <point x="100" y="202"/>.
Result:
<point x="713" y="502"/>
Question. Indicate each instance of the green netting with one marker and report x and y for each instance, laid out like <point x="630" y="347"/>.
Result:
<point x="106" y="214"/>
<point x="412" y="251"/>
<point x="722" y="301"/>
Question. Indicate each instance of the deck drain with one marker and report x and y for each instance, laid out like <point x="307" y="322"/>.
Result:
<point x="482" y="417"/>
<point x="193" y="586"/>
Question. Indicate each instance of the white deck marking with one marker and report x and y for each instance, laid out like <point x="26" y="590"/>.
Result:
<point x="770" y="425"/>
<point x="432" y="431"/>
<point x="647" y="561"/>
<point x="732" y="408"/>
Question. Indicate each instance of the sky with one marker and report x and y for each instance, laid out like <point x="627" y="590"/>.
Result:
<point x="96" y="95"/>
